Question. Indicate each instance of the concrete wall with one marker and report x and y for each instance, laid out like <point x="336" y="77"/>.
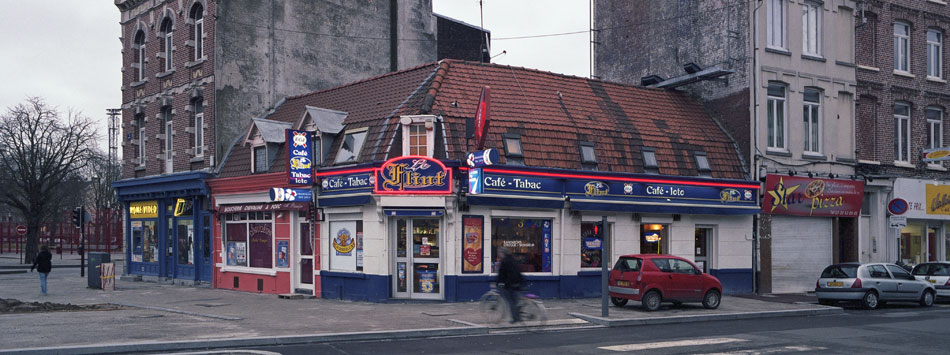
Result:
<point x="269" y="49"/>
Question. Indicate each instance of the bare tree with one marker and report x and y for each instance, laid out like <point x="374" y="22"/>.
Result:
<point x="105" y="205"/>
<point x="39" y="151"/>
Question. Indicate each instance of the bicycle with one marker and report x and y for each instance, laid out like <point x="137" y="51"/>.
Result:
<point x="495" y="308"/>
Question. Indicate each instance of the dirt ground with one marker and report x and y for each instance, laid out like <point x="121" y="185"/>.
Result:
<point x="11" y="305"/>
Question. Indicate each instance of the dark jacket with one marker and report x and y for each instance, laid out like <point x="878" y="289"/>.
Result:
<point x="43" y="262"/>
<point x="509" y="274"/>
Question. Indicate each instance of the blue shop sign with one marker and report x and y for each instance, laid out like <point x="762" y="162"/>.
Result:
<point x="299" y="159"/>
<point x="475" y="185"/>
<point x="520" y="184"/>
<point x="356" y="182"/>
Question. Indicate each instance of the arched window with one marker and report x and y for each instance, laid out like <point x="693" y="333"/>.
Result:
<point x="167" y="43"/>
<point x="140" y="53"/>
<point x="197" y="17"/>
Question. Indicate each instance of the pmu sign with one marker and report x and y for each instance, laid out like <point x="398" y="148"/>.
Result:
<point x="299" y="160"/>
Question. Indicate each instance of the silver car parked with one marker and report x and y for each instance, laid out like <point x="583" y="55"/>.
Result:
<point x="872" y="284"/>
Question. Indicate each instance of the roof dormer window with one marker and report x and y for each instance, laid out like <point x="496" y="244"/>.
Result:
<point x="650" y="165"/>
<point x="418" y="135"/>
<point x="513" y="153"/>
<point x="588" y="155"/>
<point x="351" y="146"/>
<point x="702" y="164"/>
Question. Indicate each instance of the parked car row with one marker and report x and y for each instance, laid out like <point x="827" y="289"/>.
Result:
<point x="654" y="279"/>
<point x="874" y="284"/>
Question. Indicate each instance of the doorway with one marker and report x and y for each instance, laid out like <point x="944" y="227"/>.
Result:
<point x="417" y="265"/>
<point x="703" y="256"/>
<point x="303" y="252"/>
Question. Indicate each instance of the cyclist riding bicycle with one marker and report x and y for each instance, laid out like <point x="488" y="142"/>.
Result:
<point x="510" y="281"/>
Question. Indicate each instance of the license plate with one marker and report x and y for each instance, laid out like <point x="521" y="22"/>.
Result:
<point x="933" y="281"/>
<point x="623" y="283"/>
<point x="835" y="284"/>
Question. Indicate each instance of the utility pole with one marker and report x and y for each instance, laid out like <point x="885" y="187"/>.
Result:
<point x="605" y="258"/>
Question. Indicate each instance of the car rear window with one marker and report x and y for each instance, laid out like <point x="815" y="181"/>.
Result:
<point x="840" y="272"/>
<point x="932" y="270"/>
<point x="628" y="264"/>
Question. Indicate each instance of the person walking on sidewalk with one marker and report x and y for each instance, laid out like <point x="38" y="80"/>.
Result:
<point x="509" y="277"/>
<point x="43" y="263"/>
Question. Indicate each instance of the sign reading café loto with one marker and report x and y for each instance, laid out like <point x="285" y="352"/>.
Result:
<point x="802" y="196"/>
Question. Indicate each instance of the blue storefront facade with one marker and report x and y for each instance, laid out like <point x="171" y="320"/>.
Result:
<point x="440" y="243"/>
<point x="168" y="227"/>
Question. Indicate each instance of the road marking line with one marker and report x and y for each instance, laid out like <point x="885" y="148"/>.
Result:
<point x="798" y="348"/>
<point x="670" y="344"/>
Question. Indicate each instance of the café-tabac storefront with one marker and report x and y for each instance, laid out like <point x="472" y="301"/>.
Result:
<point x="419" y="228"/>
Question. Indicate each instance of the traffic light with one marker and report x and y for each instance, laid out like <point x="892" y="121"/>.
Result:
<point x="77" y="216"/>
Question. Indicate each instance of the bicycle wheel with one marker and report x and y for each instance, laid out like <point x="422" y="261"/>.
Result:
<point x="492" y="307"/>
<point x="533" y="312"/>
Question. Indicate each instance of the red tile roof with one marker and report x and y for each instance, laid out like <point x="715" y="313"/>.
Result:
<point x="551" y="113"/>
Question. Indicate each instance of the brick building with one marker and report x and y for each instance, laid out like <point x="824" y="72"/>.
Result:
<point x="194" y="71"/>
<point x="903" y="98"/>
<point x="779" y="76"/>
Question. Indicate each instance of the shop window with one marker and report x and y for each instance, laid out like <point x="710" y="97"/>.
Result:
<point x="528" y="240"/>
<point x="592" y="244"/>
<point x="654" y="239"/>
<point x="351" y="146"/>
<point x="249" y="240"/>
<point x="346" y="245"/>
<point x="513" y="153"/>
<point x="946" y="240"/>
<point x="650" y="164"/>
<point x="703" y="243"/>
<point x="911" y="244"/>
<point x="186" y="241"/>
<point x="144" y="242"/>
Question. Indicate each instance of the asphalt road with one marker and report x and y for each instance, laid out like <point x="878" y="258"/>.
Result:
<point x="894" y="329"/>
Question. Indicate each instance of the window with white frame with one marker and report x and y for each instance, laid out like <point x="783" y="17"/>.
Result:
<point x="140" y="52"/>
<point x="934" y="54"/>
<point x="811" y="120"/>
<point x="418" y="139"/>
<point x="140" y="120"/>
<point x="197" y="16"/>
<point x="167" y="43"/>
<point x="901" y="47"/>
<point x="259" y="157"/>
<point x="199" y="127"/>
<point x="249" y="239"/>
<point x="351" y="146"/>
<point x="902" y="132"/>
<point x="934" y="127"/>
<point x="811" y="29"/>
<point x="418" y="135"/>
<point x="776" y="23"/>
<point x="776" y="116"/>
<point x="169" y="144"/>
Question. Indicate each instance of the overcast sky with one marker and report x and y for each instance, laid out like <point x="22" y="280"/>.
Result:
<point x="68" y="51"/>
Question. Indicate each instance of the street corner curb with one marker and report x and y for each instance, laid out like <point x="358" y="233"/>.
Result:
<point x="608" y="322"/>
<point x="250" y="342"/>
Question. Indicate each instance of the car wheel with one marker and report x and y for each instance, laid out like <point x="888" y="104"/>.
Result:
<point x="619" y="302"/>
<point x="825" y="302"/>
<point x="712" y="299"/>
<point x="927" y="299"/>
<point x="651" y="301"/>
<point x="870" y="300"/>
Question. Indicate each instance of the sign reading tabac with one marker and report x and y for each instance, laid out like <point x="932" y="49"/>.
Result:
<point x="938" y="199"/>
<point x="413" y="175"/>
<point x="802" y="196"/>
<point x="299" y="161"/>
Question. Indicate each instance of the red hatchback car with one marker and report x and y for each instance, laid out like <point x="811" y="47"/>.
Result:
<point x="653" y="279"/>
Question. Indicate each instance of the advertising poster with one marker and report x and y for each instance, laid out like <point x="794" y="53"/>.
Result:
<point x="137" y="243"/>
<point x="938" y="199"/>
<point x="401" y="277"/>
<point x="804" y="196"/>
<point x="283" y="259"/>
<point x="546" y="240"/>
<point x="473" y="233"/>
<point x="359" y="250"/>
<point x="261" y="237"/>
<point x="343" y="245"/>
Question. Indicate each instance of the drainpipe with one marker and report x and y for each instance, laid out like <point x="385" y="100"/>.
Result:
<point x="393" y="35"/>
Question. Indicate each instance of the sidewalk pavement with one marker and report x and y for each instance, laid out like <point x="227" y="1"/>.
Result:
<point x="165" y="317"/>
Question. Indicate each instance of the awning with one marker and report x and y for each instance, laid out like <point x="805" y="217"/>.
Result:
<point x="415" y="212"/>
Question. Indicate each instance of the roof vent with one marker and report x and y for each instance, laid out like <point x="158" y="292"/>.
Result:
<point x="650" y="80"/>
<point x="691" y="68"/>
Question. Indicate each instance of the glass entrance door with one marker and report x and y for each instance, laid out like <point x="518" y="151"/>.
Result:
<point x="417" y="260"/>
<point x="303" y="267"/>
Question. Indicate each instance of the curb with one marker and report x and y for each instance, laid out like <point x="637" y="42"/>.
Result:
<point x="706" y="317"/>
<point x="165" y="347"/>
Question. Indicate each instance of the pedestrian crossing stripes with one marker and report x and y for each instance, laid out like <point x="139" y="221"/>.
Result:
<point x="671" y="344"/>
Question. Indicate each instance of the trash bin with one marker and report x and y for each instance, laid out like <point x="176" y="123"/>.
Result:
<point x="92" y="268"/>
